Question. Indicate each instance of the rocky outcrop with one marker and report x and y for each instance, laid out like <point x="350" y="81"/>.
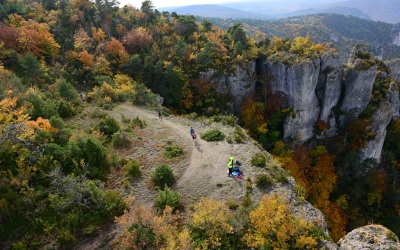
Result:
<point x="369" y="237"/>
<point x="318" y="90"/>
<point x="239" y="84"/>
<point x="329" y="84"/>
<point x="298" y="82"/>
<point x="357" y="88"/>
<point x="388" y="109"/>
<point x="394" y="65"/>
<point x="242" y="83"/>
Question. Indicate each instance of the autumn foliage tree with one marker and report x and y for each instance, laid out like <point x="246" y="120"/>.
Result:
<point x="274" y="226"/>
<point x="137" y="39"/>
<point x="314" y="171"/>
<point x="210" y="224"/>
<point x="146" y="229"/>
<point x="253" y="116"/>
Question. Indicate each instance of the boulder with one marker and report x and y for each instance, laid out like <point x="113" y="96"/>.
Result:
<point x="369" y="237"/>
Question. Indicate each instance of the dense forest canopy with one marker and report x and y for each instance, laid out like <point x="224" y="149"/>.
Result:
<point x="55" y="54"/>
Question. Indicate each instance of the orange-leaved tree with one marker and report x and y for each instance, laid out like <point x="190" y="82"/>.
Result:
<point x="146" y="229"/>
<point x="253" y="114"/>
<point x="323" y="181"/>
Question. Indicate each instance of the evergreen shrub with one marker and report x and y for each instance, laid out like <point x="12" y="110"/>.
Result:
<point x="168" y="197"/>
<point x="213" y="135"/>
<point x="163" y="175"/>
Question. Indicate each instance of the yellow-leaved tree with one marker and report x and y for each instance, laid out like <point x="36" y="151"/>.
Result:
<point x="274" y="226"/>
<point x="210" y="224"/>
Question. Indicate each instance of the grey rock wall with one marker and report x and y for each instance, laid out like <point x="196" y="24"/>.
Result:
<point x="329" y="84"/>
<point x="299" y="83"/>
<point x="314" y="89"/>
<point x="239" y="84"/>
<point x="357" y="89"/>
<point x="242" y="83"/>
<point x="388" y="109"/>
<point x="394" y="65"/>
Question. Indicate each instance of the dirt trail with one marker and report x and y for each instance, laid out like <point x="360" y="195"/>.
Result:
<point x="202" y="174"/>
<point x="206" y="172"/>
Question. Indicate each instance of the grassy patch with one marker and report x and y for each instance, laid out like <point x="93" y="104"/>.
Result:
<point x="132" y="168"/>
<point x="232" y="203"/>
<point x="239" y="135"/>
<point x="120" y="140"/>
<point x="279" y="174"/>
<point x="172" y="151"/>
<point x="263" y="181"/>
<point x="137" y="122"/>
<point x="259" y="159"/>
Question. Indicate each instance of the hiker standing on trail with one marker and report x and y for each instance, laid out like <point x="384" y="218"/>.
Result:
<point x="230" y="165"/>
<point x="159" y="115"/>
<point x="194" y="137"/>
<point x="191" y="131"/>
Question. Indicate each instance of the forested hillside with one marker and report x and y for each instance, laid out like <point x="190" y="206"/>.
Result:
<point x="343" y="31"/>
<point x="62" y="62"/>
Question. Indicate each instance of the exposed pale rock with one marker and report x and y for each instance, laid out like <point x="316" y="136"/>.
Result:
<point x="369" y="237"/>
<point x="394" y="65"/>
<point x="298" y="82"/>
<point x="242" y="83"/>
<point x="358" y="88"/>
<point x="379" y="121"/>
<point x="329" y="85"/>
<point x="239" y="84"/>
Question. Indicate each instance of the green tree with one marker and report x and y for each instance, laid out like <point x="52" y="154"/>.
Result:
<point x="32" y="72"/>
<point x="67" y="91"/>
<point x="163" y="176"/>
<point x="167" y="197"/>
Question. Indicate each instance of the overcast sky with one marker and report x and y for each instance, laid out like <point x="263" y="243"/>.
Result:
<point x="169" y="3"/>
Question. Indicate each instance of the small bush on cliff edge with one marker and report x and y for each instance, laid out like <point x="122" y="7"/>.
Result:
<point x="213" y="135"/>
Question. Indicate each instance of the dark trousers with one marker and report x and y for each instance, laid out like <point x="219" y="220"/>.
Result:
<point x="230" y="171"/>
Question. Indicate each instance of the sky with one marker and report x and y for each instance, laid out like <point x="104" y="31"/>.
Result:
<point x="170" y="3"/>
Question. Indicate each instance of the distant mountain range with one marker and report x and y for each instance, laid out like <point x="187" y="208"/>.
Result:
<point x="377" y="10"/>
<point x="212" y="10"/>
<point x="342" y="31"/>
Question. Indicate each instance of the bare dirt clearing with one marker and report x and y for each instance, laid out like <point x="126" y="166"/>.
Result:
<point x="203" y="172"/>
<point x="200" y="172"/>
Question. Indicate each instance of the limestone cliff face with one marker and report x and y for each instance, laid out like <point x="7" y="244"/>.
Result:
<point x="394" y="65"/>
<point x="239" y="84"/>
<point x="314" y="90"/>
<point x="329" y="84"/>
<point x="242" y="83"/>
<point x="299" y="83"/>
<point x="388" y="109"/>
<point x="357" y="88"/>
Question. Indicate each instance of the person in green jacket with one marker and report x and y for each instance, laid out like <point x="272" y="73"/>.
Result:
<point x="230" y="165"/>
